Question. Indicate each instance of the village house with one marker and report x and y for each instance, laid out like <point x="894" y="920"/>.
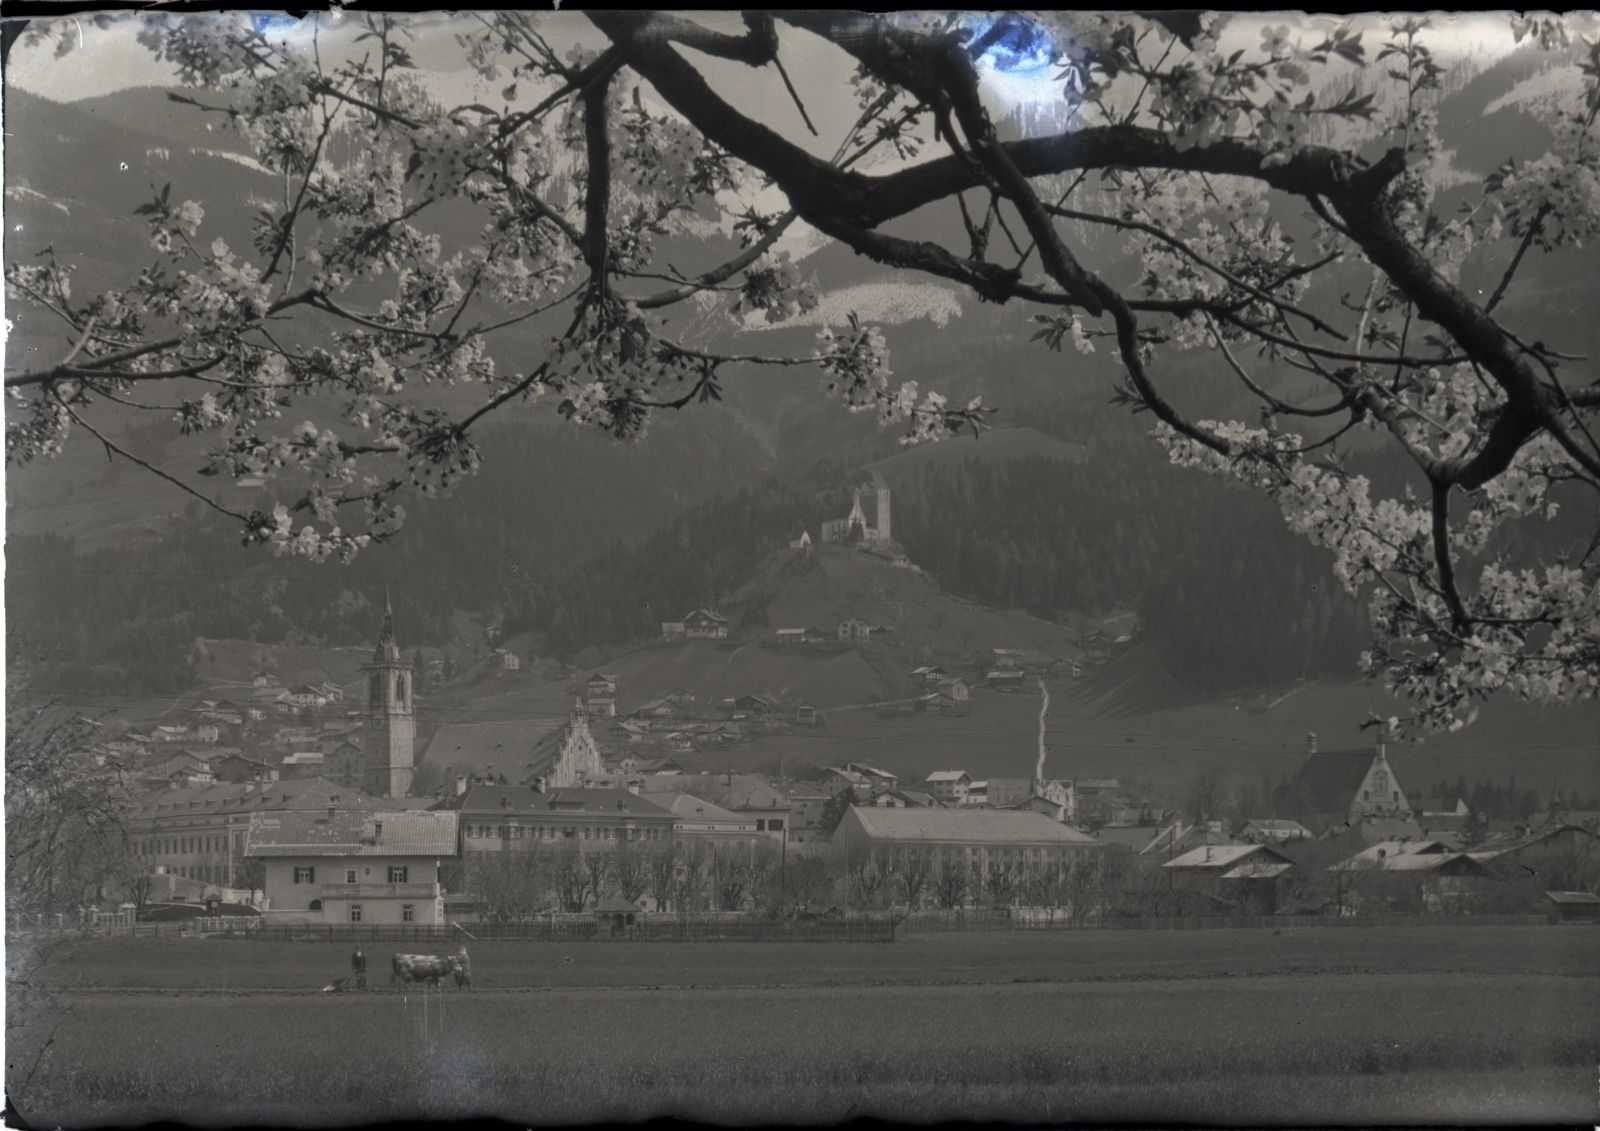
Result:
<point x="1005" y="679"/>
<point x="930" y="676"/>
<point x="956" y="690"/>
<point x="507" y="660"/>
<point x="1007" y="659"/>
<point x="303" y="764"/>
<point x="353" y="866"/>
<point x="805" y="715"/>
<point x="600" y="697"/>
<point x="1179" y="838"/>
<point x="977" y="794"/>
<point x="1250" y="877"/>
<point x="855" y="629"/>
<point x="806" y="803"/>
<point x="1425" y="873"/>
<point x="236" y="768"/>
<point x="949" y="786"/>
<point x="190" y="768"/>
<point x="701" y="624"/>
<point x="748" y="706"/>
<point x="1261" y="830"/>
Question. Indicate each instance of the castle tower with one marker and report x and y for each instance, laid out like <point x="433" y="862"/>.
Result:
<point x="388" y="745"/>
<point x="880" y="487"/>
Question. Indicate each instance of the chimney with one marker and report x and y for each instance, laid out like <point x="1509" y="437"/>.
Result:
<point x="331" y="812"/>
<point x="1311" y="742"/>
<point x="621" y="804"/>
<point x="461" y="784"/>
<point x="1208" y="854"/>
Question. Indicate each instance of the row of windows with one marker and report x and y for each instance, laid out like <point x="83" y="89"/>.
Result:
<point x="565" y="832"/>
<point x="408" y="912"/>
<point x="307" y="874"/>
<point x="183" y="845"/>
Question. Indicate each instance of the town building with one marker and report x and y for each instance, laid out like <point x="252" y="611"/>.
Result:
<point x="695" y="819"/>
<point x="973" y="838"/>
<point x="748" y="795"/>
<point x="1179" y="838"/>
<point x="495" y="818"/>
<point x="236" y="768"/>
<point x="353" y="866"/>
<point x="198" y="832"/>
<point x="390" y="722"/>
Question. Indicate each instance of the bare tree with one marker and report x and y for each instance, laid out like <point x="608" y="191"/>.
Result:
<point x="913" y="873"/>
<point x="662" y="864"/>
<point x="952" y="882"/>
<point x="630" y="870"/>
<point x="1207" y="789"/>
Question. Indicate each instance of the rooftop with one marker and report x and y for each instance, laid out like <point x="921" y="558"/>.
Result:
<point x="342" y="832"/>
<point x="977" y="826"/>
<point x="1225" y="856"/>
<point x="481" y="799"/>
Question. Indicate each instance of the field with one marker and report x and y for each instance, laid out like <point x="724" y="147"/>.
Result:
<point x="1361" y="1026"/>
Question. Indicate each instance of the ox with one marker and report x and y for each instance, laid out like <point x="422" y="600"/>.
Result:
<point x="426" y="968"/>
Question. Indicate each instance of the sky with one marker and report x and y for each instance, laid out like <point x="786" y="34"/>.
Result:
<point x="108" y="60"/>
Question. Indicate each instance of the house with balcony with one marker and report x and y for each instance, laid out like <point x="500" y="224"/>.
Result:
<point x="353" y="866"/>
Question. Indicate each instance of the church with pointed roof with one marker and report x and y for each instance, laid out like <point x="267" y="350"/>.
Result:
<point x="388" y="744"/>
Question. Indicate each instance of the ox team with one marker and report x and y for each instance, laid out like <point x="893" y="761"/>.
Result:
<point x="430" y="968"/>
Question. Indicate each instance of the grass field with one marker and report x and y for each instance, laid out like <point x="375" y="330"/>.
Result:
<point x="1357" y="1026"/>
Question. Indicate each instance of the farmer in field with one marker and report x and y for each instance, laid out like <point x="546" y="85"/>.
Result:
<point x="463" y="968"/>
<point x="358" y="967"/>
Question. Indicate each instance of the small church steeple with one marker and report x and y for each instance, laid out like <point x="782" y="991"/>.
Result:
<point x="388" y="744"/>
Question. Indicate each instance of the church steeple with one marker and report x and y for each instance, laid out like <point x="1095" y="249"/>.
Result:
<point x="387" y="651"/>
<point x="388" y="744"/>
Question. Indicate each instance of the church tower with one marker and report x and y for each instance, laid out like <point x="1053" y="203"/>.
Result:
<point x="388" y="744"/>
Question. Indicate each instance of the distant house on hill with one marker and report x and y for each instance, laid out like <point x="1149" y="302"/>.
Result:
<point x="805" y="715"/>
<point x="600" y="696"/>
<point x="854" y="629"/>
<point x="930" y="676"/>
<point x="507" y="660"/>
<point x="955" y="690"/>
<point x="1005" y="679"/>
<point x="1009" y="658"/>
<point x="703" y="624"/>
<point x="746" y="706"/>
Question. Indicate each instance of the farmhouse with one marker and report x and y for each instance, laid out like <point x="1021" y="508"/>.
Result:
<point x="957" y="690"/>
<point x="343" y="866"/>
<point x="930" y="676"/>
<point x="1005" y="679"/>
<point x="855" y="629"/>
<point x="703" y="624"/>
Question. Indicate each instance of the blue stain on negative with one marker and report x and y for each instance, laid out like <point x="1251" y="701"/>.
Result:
<point x="271" y="25"/>
<point x="1013" y="45"/>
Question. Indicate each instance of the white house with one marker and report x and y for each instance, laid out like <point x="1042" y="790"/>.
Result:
<point x="948" y="785"/>
<point x="345" y="866"/>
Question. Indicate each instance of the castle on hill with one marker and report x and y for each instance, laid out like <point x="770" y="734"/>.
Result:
<point x="854" y="527"/>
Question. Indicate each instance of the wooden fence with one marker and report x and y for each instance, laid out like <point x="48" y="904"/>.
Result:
<point x="648" y="930"/>
<point x="926" y="923"/>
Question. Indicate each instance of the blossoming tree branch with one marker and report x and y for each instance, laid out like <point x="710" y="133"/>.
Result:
<point x="345" y="294"/>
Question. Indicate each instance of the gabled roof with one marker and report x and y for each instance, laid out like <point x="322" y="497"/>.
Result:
<point x="1331" y="778"/>
<point x="311" y="833"/>
<point x="692" y="808"/>
<point x="1225" y="857"/>
<point x="947" y="775"/>
<point x="509" y="747"/>
<point x="704" y="614"/>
